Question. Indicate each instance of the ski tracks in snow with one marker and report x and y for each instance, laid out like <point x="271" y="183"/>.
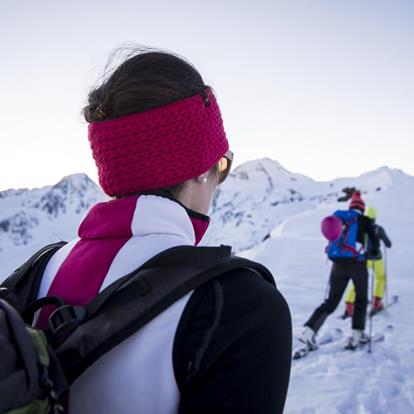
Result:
<point x="334" y="380"/>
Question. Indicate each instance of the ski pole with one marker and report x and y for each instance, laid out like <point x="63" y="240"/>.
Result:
<point x="370" y="313"/>
<point x="327" y="288"/>
<point x="328" y="285"/>
<point x="386" y="275"/>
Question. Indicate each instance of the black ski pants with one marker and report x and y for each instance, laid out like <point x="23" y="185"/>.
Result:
<point x="340" y="275"/>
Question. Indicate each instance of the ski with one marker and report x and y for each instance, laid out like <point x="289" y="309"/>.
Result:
<point x="334" y="336"/>
<point x="301" y="352"/>
<point x="344" y="316"/>
<point x="393" y="301"/>
<point x="326" y="338"/>
<point x="379" y="337"/>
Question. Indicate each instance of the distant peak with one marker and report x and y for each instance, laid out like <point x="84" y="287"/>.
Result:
<point x="260" y="163"/>
<point x="76" y="177"/>
<point x="271" y="168"/>
<point x="74" y="181"/>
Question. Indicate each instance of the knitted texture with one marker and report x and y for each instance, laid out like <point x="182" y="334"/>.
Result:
<point x="357" y="202"/>
<point x="160" y="147"/>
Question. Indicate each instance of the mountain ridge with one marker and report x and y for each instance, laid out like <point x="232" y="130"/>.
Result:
<point x="256" y="197"/>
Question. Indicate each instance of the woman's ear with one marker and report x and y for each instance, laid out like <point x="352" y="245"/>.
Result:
<point x="202" y="179"/>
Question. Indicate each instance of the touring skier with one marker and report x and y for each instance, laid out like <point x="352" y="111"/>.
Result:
<point x="376" y="263"/>
<point x="349" y="262"/>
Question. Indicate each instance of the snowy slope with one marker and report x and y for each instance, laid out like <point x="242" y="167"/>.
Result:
<point x="332" y="380"/>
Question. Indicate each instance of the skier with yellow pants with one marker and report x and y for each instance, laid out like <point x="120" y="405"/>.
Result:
<point x="376" y="263"/>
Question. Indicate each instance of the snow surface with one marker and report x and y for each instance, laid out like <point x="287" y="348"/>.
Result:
<point x="262" y="200"/>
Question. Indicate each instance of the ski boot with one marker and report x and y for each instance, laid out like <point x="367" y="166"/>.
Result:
<point x="308" y="338"/>
<point x="349" y="310"/>
<point x="377" y="306"/>
<point x="357" y="339"/>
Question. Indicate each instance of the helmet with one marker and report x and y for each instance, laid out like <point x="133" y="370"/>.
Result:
<point x="371" y="213"/>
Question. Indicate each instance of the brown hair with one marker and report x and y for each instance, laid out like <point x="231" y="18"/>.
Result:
<point x="146" y="79"/>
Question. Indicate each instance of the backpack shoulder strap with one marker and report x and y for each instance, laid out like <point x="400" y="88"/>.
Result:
<point x="122" y="309"/>
<point x="22" y="285"/>
<point x="197" y="258"/>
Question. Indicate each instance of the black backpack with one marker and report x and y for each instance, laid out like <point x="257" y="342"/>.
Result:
<point x="42" y="365"/>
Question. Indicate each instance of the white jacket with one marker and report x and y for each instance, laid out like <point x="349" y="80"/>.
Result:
<point x="137" y="375"/>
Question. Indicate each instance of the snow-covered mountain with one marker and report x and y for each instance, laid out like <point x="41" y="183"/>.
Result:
<point x="257" y="197"/>
<point x="273" y="216"/>
<point x="30" y="219"/>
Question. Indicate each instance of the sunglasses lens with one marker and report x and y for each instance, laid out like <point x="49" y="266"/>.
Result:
<point x="224" y="166"/>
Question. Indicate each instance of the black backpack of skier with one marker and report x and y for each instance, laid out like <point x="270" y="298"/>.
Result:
<point x="38" y="367"/>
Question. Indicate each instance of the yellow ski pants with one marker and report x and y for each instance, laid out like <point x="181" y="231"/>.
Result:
<point x="379" y="283"/>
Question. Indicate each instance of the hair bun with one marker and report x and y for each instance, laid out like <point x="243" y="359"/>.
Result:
<point x="100" y="112"/>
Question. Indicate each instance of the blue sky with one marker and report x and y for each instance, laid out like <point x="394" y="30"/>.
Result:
<point x="324" y="87"/>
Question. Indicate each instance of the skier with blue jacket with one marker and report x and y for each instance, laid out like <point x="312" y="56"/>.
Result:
<point x="349" y="262"/>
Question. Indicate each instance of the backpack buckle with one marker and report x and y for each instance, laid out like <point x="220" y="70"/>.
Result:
<point x="64" y="320"/>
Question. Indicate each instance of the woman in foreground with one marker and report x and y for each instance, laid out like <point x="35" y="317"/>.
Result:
<point x="157" y="137"/>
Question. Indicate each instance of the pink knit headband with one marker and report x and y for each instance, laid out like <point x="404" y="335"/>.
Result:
<point x="160" y="147"/>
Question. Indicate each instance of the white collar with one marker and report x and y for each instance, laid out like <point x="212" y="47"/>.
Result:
<point x="159" y="215"/>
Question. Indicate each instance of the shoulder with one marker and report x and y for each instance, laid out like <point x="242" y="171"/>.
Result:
<point x="234" y="335"/>
<point x="240" y="293"/>
<point x="237" y="310"/>
<point x="245" y="290"/>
